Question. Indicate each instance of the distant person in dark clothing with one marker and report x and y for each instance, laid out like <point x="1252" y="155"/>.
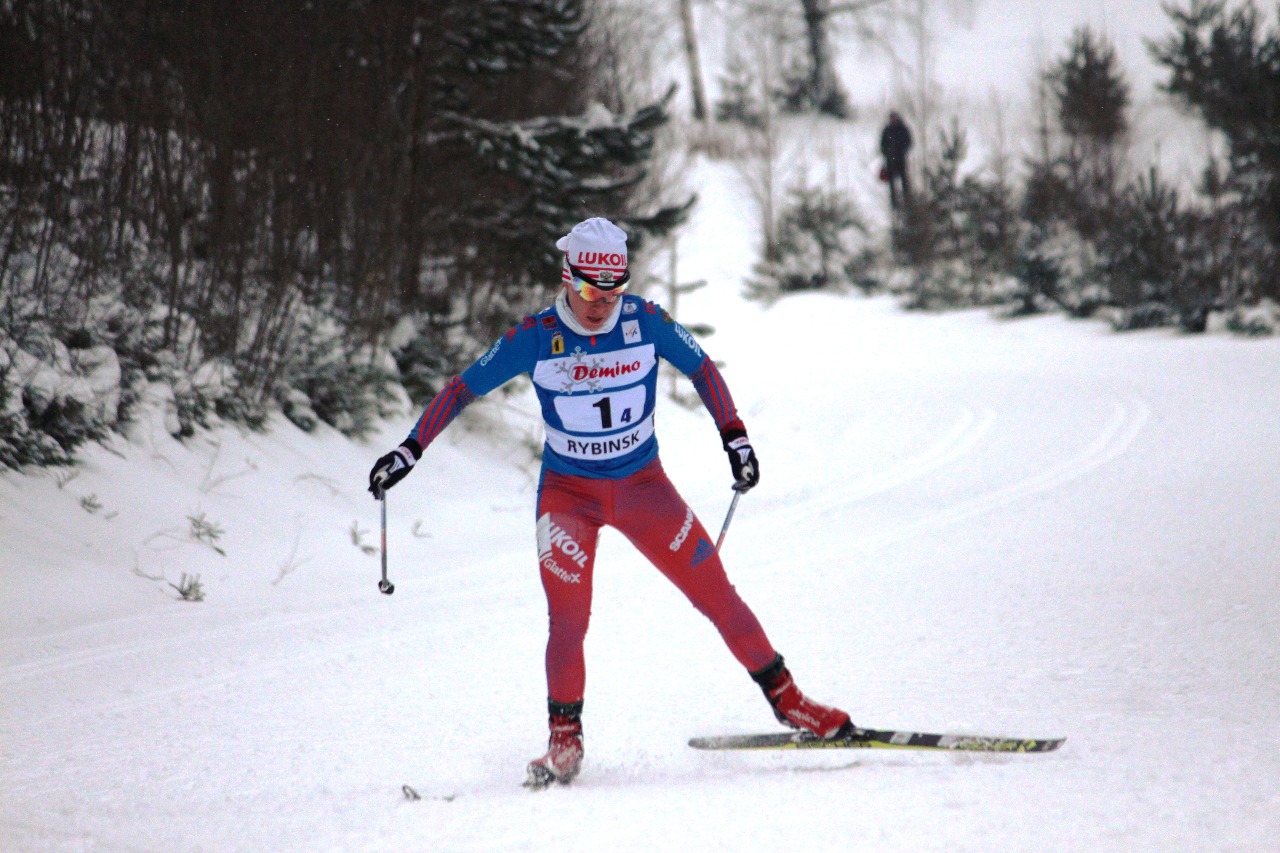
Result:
<point x="895" y="142"/>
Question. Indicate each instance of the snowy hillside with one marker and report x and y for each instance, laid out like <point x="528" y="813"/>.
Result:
<point x="983" y="61"/>
<point x="1029" y="528"/>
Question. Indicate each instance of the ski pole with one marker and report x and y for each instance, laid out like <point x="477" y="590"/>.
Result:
<point x="384" y="585"/>
<point x="728" y="518"/>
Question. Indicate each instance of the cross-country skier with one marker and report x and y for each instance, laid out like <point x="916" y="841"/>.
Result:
<point x="593" y="356"/>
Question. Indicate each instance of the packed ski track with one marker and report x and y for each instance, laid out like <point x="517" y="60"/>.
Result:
<point x="1029" y="528"/>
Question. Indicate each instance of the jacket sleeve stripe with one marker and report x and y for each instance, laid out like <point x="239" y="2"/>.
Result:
<point x="441" y="411"/>
<point x="715" y="395"/>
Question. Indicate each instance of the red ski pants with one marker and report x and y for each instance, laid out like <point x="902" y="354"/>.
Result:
<point x="647" y="509"/>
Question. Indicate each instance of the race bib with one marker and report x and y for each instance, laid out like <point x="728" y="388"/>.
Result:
<point x="597" y="447"/>
<point x="605" y="412"/>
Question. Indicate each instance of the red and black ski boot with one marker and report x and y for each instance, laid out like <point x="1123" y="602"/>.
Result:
<point x="794" y="709"/>
<point x="564" y="748"/>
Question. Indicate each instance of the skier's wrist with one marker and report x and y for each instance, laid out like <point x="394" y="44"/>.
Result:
<point x="411" y="450"/>
<point x="732" y="431"/>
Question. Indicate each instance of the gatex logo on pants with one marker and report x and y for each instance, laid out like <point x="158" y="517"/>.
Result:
<point x="551" y="537"/>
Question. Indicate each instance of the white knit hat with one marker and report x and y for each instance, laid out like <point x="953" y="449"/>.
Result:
<point x="598" y="248"/>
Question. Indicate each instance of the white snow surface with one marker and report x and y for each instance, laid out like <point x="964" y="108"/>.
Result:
<point x="965" y="524"/>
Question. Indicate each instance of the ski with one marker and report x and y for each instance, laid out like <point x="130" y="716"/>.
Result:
<point x="878" y="739"/>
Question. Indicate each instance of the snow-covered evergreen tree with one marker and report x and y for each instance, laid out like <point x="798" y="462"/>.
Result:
<point x="1224" y="65"/>
<point x="957" y="232"/>
<point x="1070" y="196"/>
<point x="196" y="188"/>
<point x="1140" y="253"/>
<point x="820" y="245"/>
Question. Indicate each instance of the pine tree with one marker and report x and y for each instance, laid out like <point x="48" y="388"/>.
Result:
<point x="958" y="231"/>
<point x="739" y="99"/>
<point x="1140" y="252"/>
<point x="1070" y="197"/>
<point x="1092" y="98"/>
<point x="235" y="176"/>
<point x="1222" y="64"/>
<point x="820" y="246"/>
<point x="1092" y="95"/>
<point x="512" y="175"/>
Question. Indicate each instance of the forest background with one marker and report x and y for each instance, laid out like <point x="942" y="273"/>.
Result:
<point x="327" y="209"/>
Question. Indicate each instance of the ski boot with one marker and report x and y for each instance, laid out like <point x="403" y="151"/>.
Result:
<point x="564" y="748"/>
<point x="794" y="709"/>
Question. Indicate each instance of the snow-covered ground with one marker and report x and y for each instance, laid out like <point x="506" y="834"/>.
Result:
<point x="1033" y="528"/>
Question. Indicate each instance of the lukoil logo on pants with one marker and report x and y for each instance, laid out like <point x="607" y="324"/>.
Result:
<point x="552" y="536"/>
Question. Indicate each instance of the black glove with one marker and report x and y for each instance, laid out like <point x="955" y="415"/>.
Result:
<point x="392" y="468"/>
<point x="742" y="458"/>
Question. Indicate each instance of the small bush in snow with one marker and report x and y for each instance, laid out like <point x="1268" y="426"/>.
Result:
<point x="958" y="233"/>
<point x="51" y="401"/>
<point x="820" y="245"/>
<point x="740" y="100"/>
<point x="349" y="396"/>
<point x="1255" y="320"/>
<point x="357" y="539"/>
<point x="189" y="588"/>
<point x="347" y="387"/>
<point x="1055" y="266"/>
<point x="1139" y="253"/>
<point x="297" y="408"/>
<point x="206" y="531"/>
<point x="426" y="362"/>
<point x="797" y="95"/>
